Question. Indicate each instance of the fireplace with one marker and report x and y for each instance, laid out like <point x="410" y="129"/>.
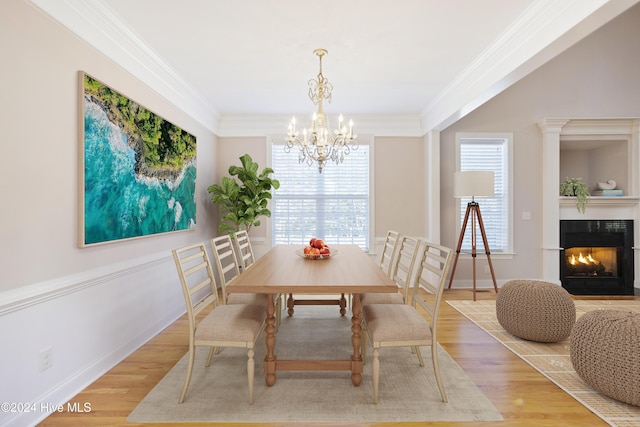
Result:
<point x="597" y="257"/>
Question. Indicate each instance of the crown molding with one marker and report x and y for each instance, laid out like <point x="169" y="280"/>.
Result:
<point x="261" y="125"/>
<point x="101" y="28"/>
<point x="545" y="30"/>
<point x="97" y="25"/>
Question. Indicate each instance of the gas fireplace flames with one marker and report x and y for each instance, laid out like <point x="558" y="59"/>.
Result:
<point x="584" y="266"/>
<point x="582" y="260"/>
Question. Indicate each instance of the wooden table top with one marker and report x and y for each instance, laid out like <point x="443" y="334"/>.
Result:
<point x="281" y="270"/>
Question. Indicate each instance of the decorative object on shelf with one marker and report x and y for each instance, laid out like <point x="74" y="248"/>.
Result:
<point x="575" y="187"/>
<point x="320" y="143"/>
<point x="609" y="185"/>
<point x="242" y="203"/>
<point x="609" y="193"/>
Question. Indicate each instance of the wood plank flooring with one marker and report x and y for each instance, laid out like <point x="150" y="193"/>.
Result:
<point x="522" y="395"/>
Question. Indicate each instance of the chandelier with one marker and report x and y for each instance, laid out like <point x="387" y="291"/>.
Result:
<point x="320" y="143"/>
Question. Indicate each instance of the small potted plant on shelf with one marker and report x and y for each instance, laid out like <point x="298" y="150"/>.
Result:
<point x="575" y="187"/>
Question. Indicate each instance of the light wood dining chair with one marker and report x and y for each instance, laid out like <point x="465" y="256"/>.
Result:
<point x="389" y="252"/>
<point x="228" y="268"/>
<point x="416" y="324"/>
<point x="237" y="326"/>
<point x="401" y="273"/>
<point x="245" y="251"/>
<point x="387" y="262"/>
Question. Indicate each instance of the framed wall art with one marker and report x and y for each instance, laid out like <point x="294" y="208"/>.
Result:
<point x="137" y="170"/>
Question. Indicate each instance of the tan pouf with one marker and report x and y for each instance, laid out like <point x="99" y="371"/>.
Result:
<point x="605" y="352"/>
<point x="535" y="310"/>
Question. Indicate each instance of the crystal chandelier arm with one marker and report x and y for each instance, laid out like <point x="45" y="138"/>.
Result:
<point x="320" y="143"/>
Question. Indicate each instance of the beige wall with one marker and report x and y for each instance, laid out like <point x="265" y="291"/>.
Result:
<point x="91" y="306"/>
<point x="39" y="148"/>
<point x="598" y="77"/>
<point x="399" y="187"/>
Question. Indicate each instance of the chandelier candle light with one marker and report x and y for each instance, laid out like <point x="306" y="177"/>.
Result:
<point x="319" y="143"/>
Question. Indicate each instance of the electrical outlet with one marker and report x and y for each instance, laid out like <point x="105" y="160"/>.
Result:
<point x="46" y="358"/>
<point x="486" y="269"/>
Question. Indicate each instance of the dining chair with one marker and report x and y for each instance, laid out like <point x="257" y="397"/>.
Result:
<point x="228" y="269"/>
<point x="387" y="263"/>
<point x="389" y="251"/>
<point x="245" y="251"/>
<point x="411" y="325"/>
<point x="235" y="326"/>
<point x="401" y="273"/>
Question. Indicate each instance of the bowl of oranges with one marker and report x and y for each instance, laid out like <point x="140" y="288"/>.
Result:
<point x="317" y="249"/>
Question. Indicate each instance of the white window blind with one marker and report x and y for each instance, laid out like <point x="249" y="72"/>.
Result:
<point x="333" y="205"/>
<point x="488" y="154"/>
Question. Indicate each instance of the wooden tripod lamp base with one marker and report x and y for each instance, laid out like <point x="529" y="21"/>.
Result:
<point x="473" y="184"/>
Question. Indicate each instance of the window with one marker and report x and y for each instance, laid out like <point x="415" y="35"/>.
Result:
<point x="488" y="152"/>
<point x="333" y="205"/>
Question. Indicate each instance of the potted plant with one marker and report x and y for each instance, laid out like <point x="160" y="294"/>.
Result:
<point x="575" y="187"/>
<point x="243" y="200"/>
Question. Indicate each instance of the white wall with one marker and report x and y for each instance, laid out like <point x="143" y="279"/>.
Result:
<point x="95" y="305"/>
<point x="598" y="78"/>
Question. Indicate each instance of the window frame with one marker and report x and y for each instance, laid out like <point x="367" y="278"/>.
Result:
<point x="279" y="139"/>
<point x="508" y="171"/>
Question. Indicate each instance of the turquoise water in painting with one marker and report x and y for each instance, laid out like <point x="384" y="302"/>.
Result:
<point x="117" y="203"/>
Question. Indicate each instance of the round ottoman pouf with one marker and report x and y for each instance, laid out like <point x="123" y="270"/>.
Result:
<point x="535" y="310"/>
<point x="605" y="352"/>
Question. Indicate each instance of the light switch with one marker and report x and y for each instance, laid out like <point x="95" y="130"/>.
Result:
<point x="526" y="216"/>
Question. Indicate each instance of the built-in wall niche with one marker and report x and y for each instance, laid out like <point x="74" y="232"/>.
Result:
<point x="596" y="160"/>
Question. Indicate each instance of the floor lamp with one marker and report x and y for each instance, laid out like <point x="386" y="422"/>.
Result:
<point x="473" y="184"/>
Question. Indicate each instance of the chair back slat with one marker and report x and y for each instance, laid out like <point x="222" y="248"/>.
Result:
<point x="245" y="251"/>
<point x="226" y="262"/>
<point x="389" y="252"/>
<point x="196" y="278"/>
<point x="432" y="274"/>
<point x="402" y="271"/>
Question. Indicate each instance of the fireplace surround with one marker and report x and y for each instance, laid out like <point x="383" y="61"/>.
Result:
<point x="596" y="257"/>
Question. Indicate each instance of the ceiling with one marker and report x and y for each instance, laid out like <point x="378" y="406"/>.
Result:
<point x="424" y="63"/>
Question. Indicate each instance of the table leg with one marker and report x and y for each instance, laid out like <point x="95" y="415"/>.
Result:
<point x="356" y="341"/>
<point x="290" y="305"/>
<point x="270" y="343"/>
<point x="343" y="305"/>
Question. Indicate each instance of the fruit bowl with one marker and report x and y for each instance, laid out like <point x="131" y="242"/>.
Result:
<point x="315" y="257"/>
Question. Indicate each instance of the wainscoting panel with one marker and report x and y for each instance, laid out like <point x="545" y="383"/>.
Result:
<point x="88" y="323"/>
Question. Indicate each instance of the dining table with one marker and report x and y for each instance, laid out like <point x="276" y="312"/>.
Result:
<point x="285" y="270"/>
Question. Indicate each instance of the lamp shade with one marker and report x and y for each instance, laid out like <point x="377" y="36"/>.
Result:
<point x="473" y="184"/>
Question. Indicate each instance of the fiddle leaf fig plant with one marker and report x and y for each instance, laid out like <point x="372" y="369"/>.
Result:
<point x="575" y="187"/>
<point x="243" y="200"/>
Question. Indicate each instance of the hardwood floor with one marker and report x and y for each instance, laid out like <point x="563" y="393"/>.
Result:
<point x="522" y="395"/>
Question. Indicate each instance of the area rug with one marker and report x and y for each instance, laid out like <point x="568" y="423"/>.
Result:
<point x="408" y="392"/>
<point x="552" y="359"/>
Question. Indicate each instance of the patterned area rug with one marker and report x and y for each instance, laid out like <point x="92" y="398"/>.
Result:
<point x="552" y="359"/>
<point x="407" y="391"/>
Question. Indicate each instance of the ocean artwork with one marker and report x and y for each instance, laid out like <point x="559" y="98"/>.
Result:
<point x="138" y="170"/>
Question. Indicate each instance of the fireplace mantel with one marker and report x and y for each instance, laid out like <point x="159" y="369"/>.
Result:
<point x="612" y="202"/>
<point x="600" y="208"/>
